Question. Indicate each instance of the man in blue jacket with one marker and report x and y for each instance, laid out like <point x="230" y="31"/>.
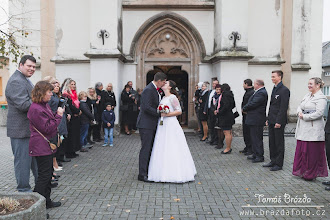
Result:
<point x="255" y="111"/>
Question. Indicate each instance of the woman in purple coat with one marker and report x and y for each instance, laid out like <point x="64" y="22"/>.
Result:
<point x="43" y="120"/>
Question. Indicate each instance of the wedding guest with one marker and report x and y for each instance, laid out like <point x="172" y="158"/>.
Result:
<point x="108" y="118"/>
<point x="138" y="98"/>
<point x="97" y="134"/>
<point x="225" y="115"/>
<point x="215" y="105"/>
<point x="203" y="101"/>
<point x="73" y="139"/>
<point x="327" y="145"/>
<point x="309" y="160"/>
<point x="197" y="106"/>
<point x="249" y="90"/>
<point x="18" y="95"/>
<point x="255" y="111"/>
<point x="211" y="116"/>
<point x="127" y="116"/>
<point x="108" y="96"/>
<point x="43" y="125"/>
<point x="277" y="119"/>
<point x="98" y="88"/>
<point x="93" y="101"/>
<point x="85" y="119"/>
<point x="62" y="128"/>
<point x="135" y="107"/>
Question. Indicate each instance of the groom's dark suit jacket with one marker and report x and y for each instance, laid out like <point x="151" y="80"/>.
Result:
<point x="148" y="117"/>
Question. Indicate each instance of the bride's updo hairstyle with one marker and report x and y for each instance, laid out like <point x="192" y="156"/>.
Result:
<point x="173" y="88"/>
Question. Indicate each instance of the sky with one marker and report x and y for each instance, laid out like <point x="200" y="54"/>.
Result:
<point x="326" y="21"/>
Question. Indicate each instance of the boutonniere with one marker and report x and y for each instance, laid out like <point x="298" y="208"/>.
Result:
<point x="276" y="96"/>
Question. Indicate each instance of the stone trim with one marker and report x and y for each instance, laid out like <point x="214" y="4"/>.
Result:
<point x="204" y="5"/>
<point x="160" y="17"/>
<point x="167" y="60"/>
<point x="69" y="60"/>
<point x="229" y="55"/>
<point x="266" y="61"/>
<point x="300" y="67"/>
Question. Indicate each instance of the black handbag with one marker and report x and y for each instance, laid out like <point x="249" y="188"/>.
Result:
<point x="236" y="114"/>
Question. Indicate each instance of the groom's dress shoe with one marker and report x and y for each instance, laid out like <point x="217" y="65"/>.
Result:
<point x="144" y="179"/>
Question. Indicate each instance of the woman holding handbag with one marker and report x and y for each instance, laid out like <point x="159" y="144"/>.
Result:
<point x="43" y="126"/>
<point x="226" y="118"/>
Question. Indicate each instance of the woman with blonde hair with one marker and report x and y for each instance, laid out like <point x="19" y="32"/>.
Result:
<point x="93" y="102"/>
<point x="73" y="140"/>
<point x="310" y="161"/>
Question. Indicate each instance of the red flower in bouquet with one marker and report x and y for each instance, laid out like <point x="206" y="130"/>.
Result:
<point x="163" y="109"/>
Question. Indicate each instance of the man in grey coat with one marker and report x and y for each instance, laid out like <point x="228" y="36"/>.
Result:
<point x="18" y="94"/>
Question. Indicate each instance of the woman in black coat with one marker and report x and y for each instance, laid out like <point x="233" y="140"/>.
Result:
<point x="73" y="141"/>
<point x="215" y="105"/>
<point x="203" y="100"/>
<point x="127" y="115"/>
<point x="226" y="118"/>
<point x="93" y="101"/>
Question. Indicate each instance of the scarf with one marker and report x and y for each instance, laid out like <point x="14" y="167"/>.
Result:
<point x="74" y="97"/>
<point x="219" y="102"/>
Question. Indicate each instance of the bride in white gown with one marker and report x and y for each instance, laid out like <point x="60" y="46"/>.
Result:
<point x="171" y="160"/>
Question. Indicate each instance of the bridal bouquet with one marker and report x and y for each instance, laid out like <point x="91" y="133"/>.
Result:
<point x="163" y="109"/>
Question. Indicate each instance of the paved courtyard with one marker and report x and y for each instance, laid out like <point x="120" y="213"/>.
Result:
<point x="102" y="184"/>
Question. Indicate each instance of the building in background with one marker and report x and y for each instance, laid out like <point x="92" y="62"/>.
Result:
<point x="326" y="68"/>
<point x="191" y="40"/>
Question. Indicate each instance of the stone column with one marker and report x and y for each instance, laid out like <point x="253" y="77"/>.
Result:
<point x="230" y="64"/>
<point x="105" y="59"/>
<point x="47" y="34"/>
<point x="231" y="16"/>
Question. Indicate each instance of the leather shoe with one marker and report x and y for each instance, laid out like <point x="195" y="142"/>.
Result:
<point x="53" y="205"/>
<point x="53" y="185"/>
<point x="270" y="164"/>
<point x="327" y="188"/>
<point x="248" y="153"/>
<point x="251" y="157"/>
<point x="258" y="160"/>
<point x="228" y="152"/>
<point x="213" y="143"/>
<point x="144" y="179"/>
<point x="275" y="168"/>
<point x="327" y="183"/>
<point x="243" y="151"/>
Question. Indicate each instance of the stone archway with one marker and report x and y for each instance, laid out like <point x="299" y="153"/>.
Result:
<point x="168" y="39"/>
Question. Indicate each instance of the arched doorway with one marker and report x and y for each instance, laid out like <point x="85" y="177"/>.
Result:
<point x="168" y="40"/>
<point x="180" y="77"/>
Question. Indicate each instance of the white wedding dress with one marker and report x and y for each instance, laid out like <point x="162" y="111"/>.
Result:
<point x="171" y="160"/>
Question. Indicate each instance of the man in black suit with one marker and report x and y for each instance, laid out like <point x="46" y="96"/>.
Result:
<point x="256" y="118"/>
<point x="327" y="147"/>
<point x="147" y="122"/>
<point x="249" y="90"/>
<point x="277" y="119"/>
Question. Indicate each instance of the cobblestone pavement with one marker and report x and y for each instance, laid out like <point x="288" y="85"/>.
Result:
<point x="102" y="184"/>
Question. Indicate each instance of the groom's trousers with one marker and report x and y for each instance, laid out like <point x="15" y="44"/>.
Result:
<point x="147" y="142"/>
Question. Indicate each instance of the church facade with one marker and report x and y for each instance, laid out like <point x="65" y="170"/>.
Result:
<point x="190" y="40"/>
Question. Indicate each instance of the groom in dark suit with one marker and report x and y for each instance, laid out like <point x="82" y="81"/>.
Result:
<point x="256" y="118"/>
<point x="147" y="121"/>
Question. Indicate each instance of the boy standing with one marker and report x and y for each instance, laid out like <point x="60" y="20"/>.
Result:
<point x="108" y="118"/>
